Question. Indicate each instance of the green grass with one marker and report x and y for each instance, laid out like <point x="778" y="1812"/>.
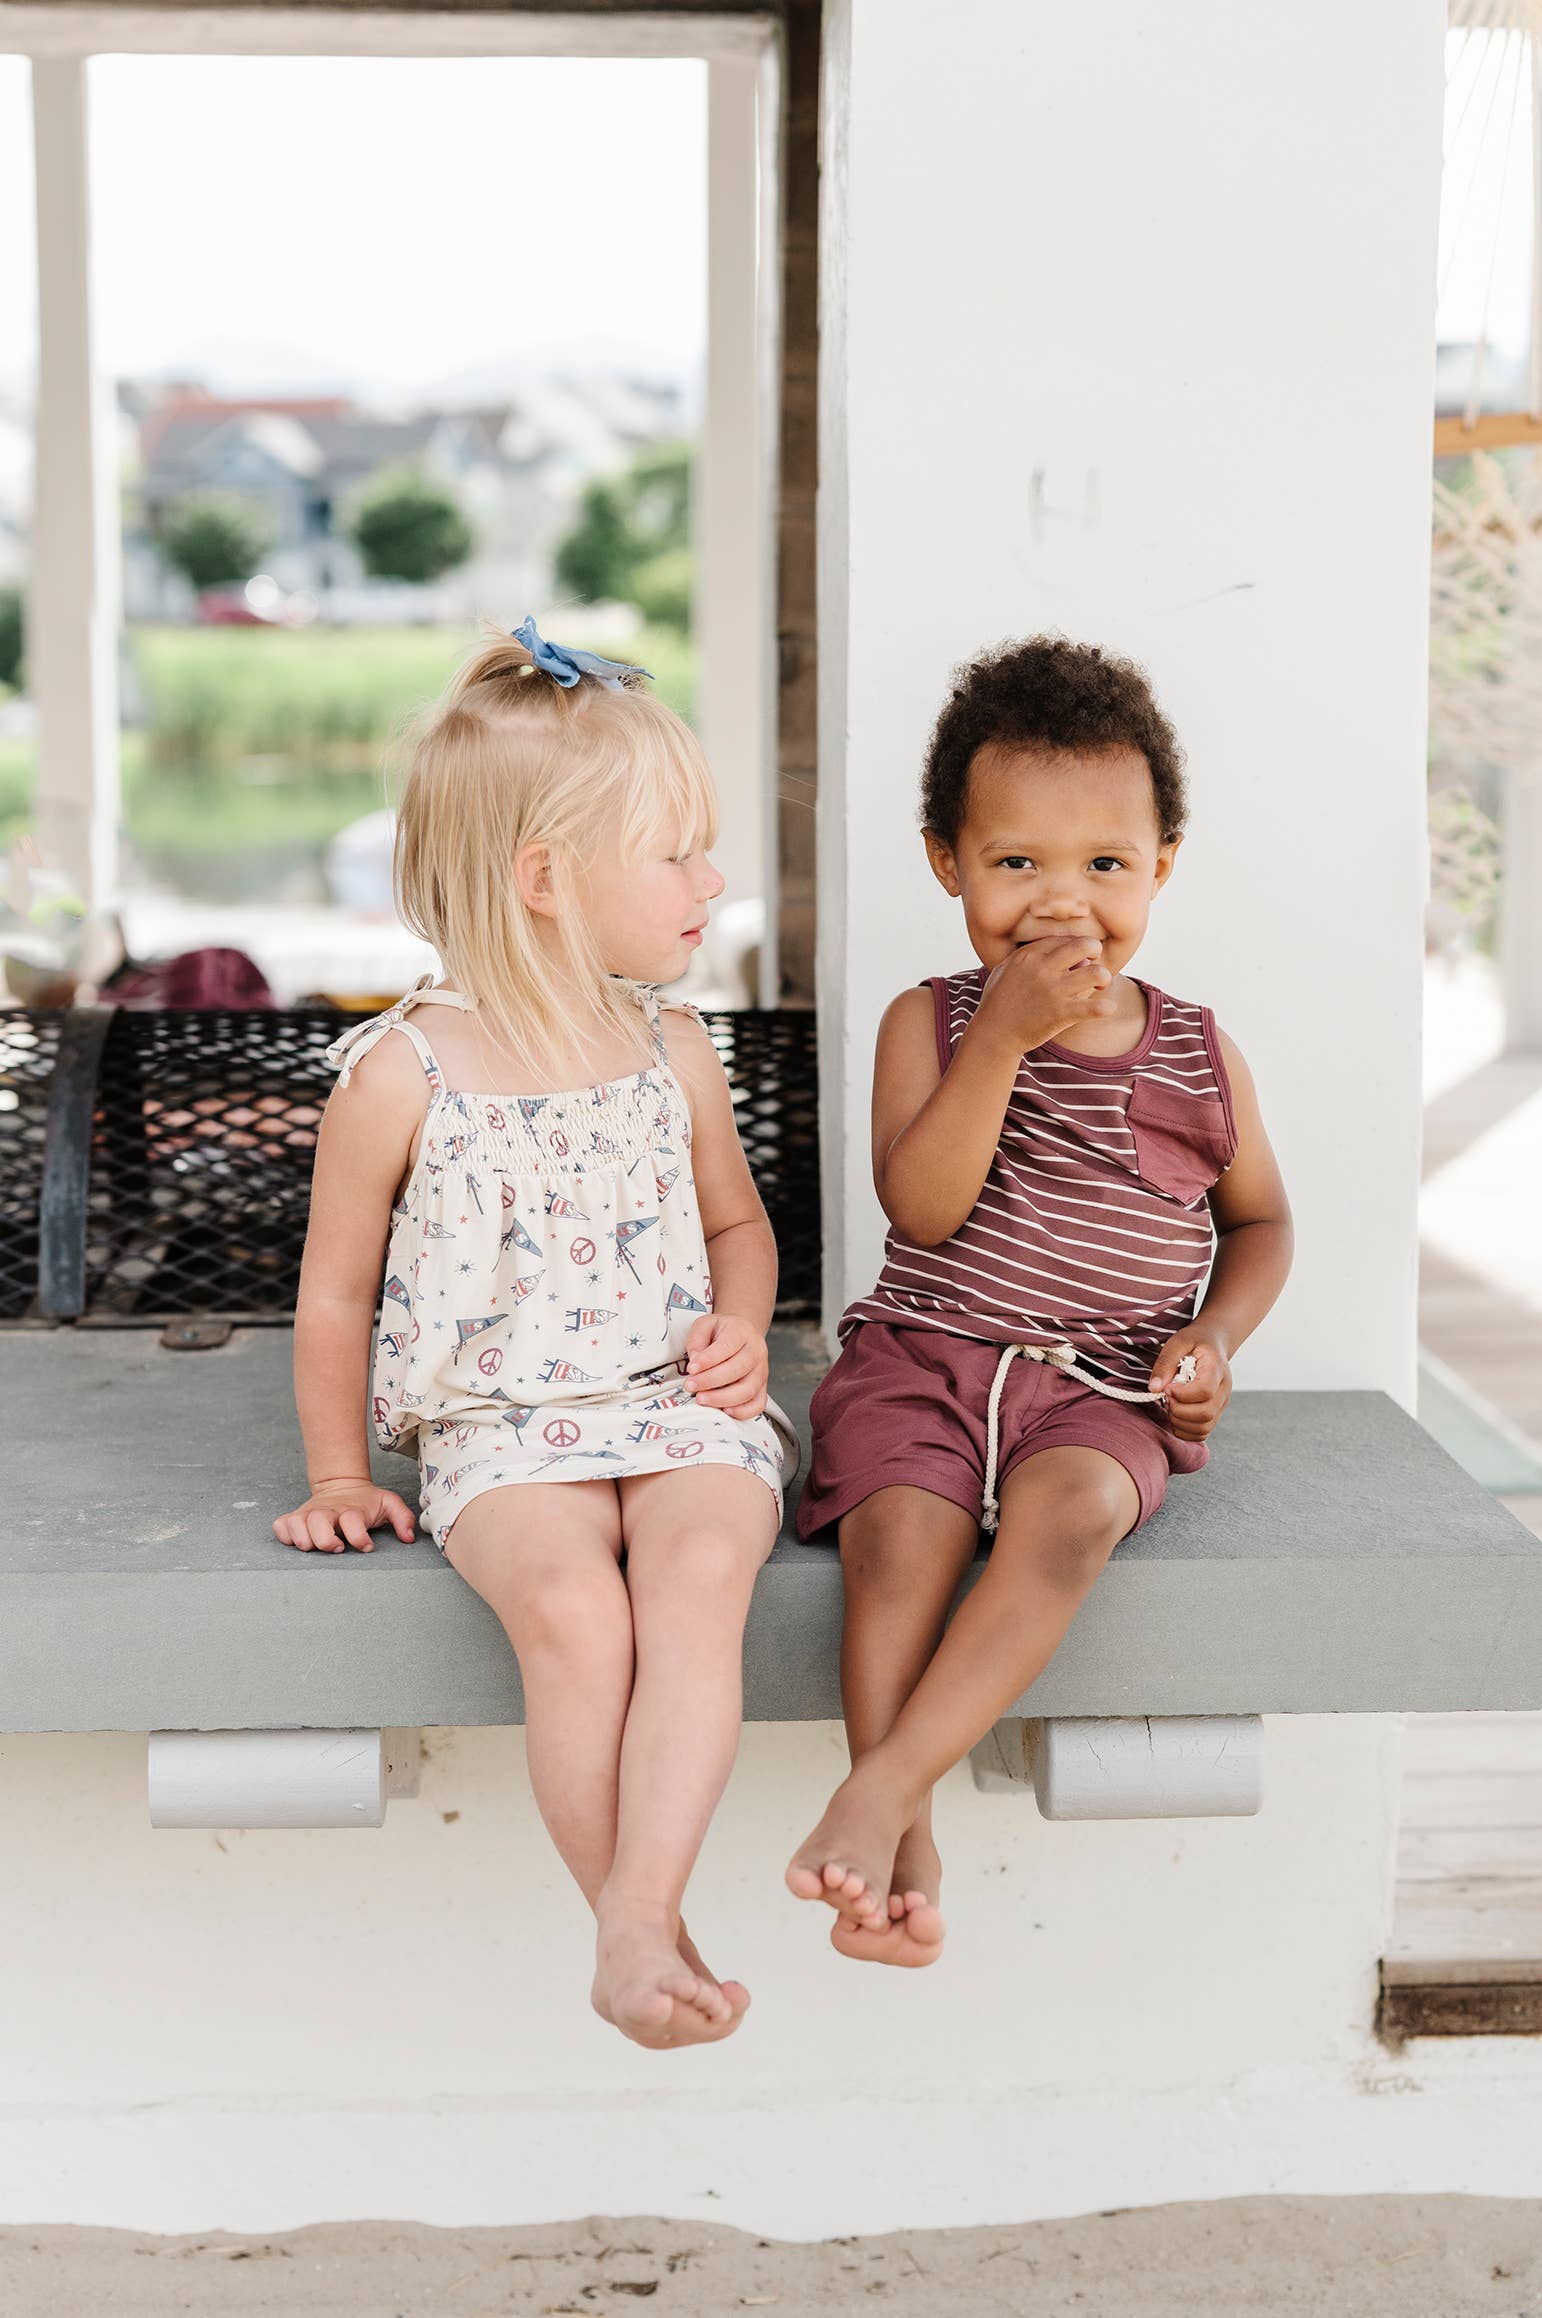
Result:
<point x="258" y="744"/>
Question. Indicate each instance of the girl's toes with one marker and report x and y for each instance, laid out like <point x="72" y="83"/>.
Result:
<point x="896" y="1906"/>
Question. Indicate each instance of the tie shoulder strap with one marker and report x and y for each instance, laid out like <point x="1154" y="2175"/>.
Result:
<point x="355" y="1043"/>
<point x="655" y="1007"/>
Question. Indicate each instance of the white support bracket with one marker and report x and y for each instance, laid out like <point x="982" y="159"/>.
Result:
<point x="279" y="1778"/>
<point x="1206" y="1766"/>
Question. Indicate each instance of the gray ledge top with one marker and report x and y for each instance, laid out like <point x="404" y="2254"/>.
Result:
<point x="1330" y="1559"/>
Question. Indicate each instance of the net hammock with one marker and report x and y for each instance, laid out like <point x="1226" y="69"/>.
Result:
<point x="1486" y="542"/>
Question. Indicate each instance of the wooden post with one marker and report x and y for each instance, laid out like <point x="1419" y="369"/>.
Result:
<point x="72" y="619"/>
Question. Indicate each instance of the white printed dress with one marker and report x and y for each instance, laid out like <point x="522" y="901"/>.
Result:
<point x="544" y="1269"/>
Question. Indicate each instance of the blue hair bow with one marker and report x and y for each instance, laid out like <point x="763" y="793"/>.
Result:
<point x="565" y="667"/>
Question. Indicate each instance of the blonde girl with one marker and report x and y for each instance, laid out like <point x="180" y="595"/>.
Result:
<point x="578" y="1278"/>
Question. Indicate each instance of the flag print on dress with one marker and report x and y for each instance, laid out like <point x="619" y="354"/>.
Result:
<point x="626" y="1232"/>
<point x="466" y="1329"/>
<point x="585" y="1457"/>
<point x="649" y="1429"/>
<point x="516" y="1236"/>
<point x="486" y="1393"/>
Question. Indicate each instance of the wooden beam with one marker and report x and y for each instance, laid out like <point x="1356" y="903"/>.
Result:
<point x="1495" y="430"/>
<point x="1461" y="2008"/>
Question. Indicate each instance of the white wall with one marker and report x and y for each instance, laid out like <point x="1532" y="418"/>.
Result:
<point x="256" y="2031"/>
<point x="1177" y="263"/>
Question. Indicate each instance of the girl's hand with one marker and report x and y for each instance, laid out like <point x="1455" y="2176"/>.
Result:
<point x="1193" y="1409"/>
<point x="1043" y="988"/>
<point x="342" y="1513"/>
<point x="727" y="1366"/>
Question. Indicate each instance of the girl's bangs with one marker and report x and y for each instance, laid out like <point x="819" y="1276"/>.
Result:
<point x="672" y="792"/>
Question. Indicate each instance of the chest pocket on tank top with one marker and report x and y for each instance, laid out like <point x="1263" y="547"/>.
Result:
<point x="1182" y="1142"/>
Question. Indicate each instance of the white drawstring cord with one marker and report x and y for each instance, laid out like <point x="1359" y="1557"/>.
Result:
<point x="1063" y="1357"/>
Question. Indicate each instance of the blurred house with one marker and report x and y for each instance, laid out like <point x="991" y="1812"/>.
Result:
<point x="517" y="468"/>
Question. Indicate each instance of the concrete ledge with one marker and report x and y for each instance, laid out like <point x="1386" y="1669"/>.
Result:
<point x="1331" y="1559"/>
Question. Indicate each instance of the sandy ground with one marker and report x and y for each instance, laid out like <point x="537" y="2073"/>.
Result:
<point x="1349" y="2257"/>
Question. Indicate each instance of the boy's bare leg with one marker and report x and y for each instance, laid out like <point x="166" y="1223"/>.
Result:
<point x="694" y="1544"/>
<point x="903" y="1552"/>
<point x="1062" y="1513"/>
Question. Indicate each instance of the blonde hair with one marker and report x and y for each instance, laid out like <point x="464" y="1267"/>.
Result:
<point x="507" y="758"/>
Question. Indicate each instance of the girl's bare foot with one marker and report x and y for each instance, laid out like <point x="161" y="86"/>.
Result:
<point x="645" y="1987"/>
<point x="913" y="1934"/>
<point x="848" y="1861"/>
<point x="737" y="1995"/>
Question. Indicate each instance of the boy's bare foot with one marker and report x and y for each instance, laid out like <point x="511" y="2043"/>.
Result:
<point x="848" y="1861"/>
<point x="912" y="1937"/>
<point x="913" y="1934"/>
<point x="644" y="1986"/>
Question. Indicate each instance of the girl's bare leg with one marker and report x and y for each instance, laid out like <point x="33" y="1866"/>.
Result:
<point x="545" y="1556"/>
<point x="903" y="1552"/>
<point x="694" y="1543"/>
<point x="1062" y="1513"/>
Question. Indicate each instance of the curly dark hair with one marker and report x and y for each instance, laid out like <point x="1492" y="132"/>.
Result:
<point x="1047" y="693"/>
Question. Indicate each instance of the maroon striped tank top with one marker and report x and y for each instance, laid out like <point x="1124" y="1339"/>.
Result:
<point x="1091" y="1227"/>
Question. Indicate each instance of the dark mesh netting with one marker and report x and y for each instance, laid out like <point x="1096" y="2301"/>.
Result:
<point x="202" y="1139"/>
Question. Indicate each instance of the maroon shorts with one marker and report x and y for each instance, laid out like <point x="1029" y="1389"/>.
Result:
<point x="906" y="1407"/>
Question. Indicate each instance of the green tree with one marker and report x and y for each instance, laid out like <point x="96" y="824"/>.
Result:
<point x="409" y="528"/>
<point x="661" y="589"/>
<point x="631" y="543"/>
<point x="10" y="636"/>
<point x="213" y="537"/>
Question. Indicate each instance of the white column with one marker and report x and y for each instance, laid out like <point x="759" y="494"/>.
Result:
<point x="72" y="621"/>
<point x="1074" y="379"/>
<point x="1520" y="906"/>
<point x="734" y="527"/>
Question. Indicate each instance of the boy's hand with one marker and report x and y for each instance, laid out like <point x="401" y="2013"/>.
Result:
<point x="1193" y="1409"/>
<point x="1043" y="988"/>
<point x="727" y="1366"/>
<point x="342" y="1513"/>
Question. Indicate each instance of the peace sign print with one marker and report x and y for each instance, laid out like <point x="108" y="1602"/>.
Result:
<point x="490" y="1363"/>
<point x="582" y="1251"/>
<point x="683" y="1449"/>
<point x="561" y="1433"/>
